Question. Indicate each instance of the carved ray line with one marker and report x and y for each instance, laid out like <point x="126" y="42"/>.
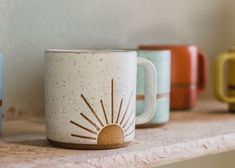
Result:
<point x="92" y="110"/>
<point x="126" y="108"/>
<point x="76" y="124"/>
<point x="112" y="99"/>
<point x="129" y="125"/>
<point x="90" y="121"/>
<point x="129" y="133"/>
<point x="127" y="119"/>
<point x="119" y="111"/>
<point x="85" y="137"/>
<point x="102" y="105"/>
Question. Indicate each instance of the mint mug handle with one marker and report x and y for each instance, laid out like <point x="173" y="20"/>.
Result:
<point x="150" y="91"/>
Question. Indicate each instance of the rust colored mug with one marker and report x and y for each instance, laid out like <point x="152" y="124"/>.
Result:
<point x="188" y="73"/>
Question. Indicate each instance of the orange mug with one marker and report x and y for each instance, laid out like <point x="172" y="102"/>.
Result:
<point x="188" y="73"/>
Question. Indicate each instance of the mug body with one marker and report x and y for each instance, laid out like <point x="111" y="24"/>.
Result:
<point x="231" y="80"/>
<point x="1" y="91"/>
<point x="224" y="82"/>
<point x="184" y="74"/>
<point x="162" y="62"/>
<point x="90" y="98"/>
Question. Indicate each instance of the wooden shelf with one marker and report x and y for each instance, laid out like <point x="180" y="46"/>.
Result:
<point x="207" y="129"/>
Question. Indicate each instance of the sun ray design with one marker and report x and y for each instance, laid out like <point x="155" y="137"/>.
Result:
<point x="83" y="115"/>
<point x="92" y="110"/>
<point x="119" y="111"/>
<point x="130" y="133"/>
<point x="85" y="137"/>
<point x="112" y="99"/>
<point x="126" y="109"/>
<point x="102" y="104"/>
<point x="128" y="118"/>
<point x="113" y="132"/>
<point x="83" y="127"/>
<point x="132" y="122"/>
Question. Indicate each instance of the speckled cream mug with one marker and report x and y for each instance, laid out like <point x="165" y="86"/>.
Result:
<point x="90" y="97"/>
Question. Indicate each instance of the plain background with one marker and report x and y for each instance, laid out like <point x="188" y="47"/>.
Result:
<point x="28" y="27"/>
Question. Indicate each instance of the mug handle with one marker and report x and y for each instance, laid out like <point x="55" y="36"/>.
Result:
<point x="218" y="77"/>
<point x="202" y="71"/>
<point x="150" y="91"/>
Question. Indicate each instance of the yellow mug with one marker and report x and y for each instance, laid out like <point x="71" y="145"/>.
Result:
<point x="227" y="96"/>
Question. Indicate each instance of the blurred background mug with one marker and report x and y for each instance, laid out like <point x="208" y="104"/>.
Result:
<point x="188" y="74"/>
<point x="162" y="62"/>
<point x="90" y="97"/>
<point x="1" y="91"/>
<point x="225" y="78"/>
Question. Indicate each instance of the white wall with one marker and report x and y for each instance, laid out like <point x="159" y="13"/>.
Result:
<point x="28" y="27"/>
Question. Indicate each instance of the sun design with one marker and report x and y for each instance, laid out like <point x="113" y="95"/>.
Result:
<point x="108" y="133"/>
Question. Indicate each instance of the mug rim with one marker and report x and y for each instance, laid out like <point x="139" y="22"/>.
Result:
<point x="88" y="51"/>
<point x="154" y="51"/>
<point x="165" y="46"/>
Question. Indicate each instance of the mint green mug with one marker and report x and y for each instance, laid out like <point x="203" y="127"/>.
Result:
<point x="162" y="62"/>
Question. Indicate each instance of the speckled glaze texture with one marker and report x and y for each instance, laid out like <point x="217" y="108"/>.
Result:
<point x="90" y="97"/>
<point x="1" y="90"/>
<point x="162" y="62"/>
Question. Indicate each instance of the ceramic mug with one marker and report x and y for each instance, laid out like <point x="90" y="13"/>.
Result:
<point x="162" y="62"/>
<point x="1" y="90"/>
<point x="188" y="74"/>
<point x="219" y="76"/>
<point x="90" y="97"/>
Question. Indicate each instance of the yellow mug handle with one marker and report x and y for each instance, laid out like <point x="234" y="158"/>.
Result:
<point x="218" y="77"/>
